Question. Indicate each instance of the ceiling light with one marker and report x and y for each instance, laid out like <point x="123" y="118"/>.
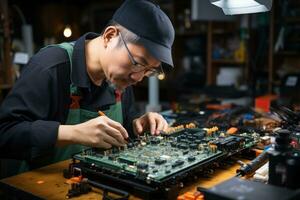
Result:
<point x="67" y="32"/>
<point x="235" y="7"/>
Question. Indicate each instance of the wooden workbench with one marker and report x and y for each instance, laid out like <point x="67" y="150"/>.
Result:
<point x="48" y="182"/>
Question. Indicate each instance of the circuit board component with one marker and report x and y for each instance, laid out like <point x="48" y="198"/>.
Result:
<point x="155" y="159"/>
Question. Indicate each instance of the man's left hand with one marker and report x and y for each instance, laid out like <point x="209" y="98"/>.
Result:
<point x="150" y="121"/>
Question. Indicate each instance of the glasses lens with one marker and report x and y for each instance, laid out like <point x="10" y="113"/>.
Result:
<point x="154" y="71"/>
<point x="138" y="67"/>
<point x="151" y="72"/>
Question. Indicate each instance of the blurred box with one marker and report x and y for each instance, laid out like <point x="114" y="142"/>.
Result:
<point x="264" y="102"/>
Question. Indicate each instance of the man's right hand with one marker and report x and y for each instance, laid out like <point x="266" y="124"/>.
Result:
<point x="99" y="132"/>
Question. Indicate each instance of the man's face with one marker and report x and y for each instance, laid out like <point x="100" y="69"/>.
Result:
<point x="118" y="66"/>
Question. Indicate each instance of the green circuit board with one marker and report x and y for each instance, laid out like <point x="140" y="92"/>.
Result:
<point x="156" y="158"/>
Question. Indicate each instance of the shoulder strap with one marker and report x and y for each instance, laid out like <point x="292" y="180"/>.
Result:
<point x="68" y="46"/>
<point x="63" y="76"/>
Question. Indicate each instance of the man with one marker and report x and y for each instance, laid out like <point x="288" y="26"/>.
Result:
<point x="57" y="98"/>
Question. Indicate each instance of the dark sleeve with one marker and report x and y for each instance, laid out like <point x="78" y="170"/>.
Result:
<point x="129" y="110"/>
<point x="24" y="114"/>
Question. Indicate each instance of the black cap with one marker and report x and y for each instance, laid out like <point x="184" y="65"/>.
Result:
<point x="151" y="24"/>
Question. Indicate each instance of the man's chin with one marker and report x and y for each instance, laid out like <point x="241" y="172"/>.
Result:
<point x="121" y="87"/>
<point x="118" y="86"/>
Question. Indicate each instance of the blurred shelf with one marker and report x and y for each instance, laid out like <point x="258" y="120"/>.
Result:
<point x="190" y="33"/>
<point x="287" y="53"/>
<point x="227" y="62"/>
<point x="287" y="20"/>
<point x="223" y="32"/>
<point x="295" y="40"/>
<point x="292" y="19"/>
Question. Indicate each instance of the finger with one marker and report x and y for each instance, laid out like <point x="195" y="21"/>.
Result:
<point x="112" y="141"/>
<point x="111" y="131"/>
<point x="104" y="145"/>
<point x="152" y="125"/>
<point x="119" y="127"/>
<point x="165" y="123"/>
<point x="138" y="126"/>
<point x="135" y="130"/>
<point x="116" y="125"/>
<point x="166" y="126"/>
<point x="160" y="125"/>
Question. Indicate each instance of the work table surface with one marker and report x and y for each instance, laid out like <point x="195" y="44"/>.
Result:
<point x="48" y="182"/>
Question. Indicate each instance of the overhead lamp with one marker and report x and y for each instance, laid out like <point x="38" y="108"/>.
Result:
<point x="236" y="7"/>
<point x="67" y="31"/>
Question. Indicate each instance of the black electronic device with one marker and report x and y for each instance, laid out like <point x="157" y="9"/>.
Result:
<point x="284" y="162"/>
<point x="237" y="189"/>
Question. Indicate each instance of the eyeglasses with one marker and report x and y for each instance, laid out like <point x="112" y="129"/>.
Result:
<point x="138" y="67"/>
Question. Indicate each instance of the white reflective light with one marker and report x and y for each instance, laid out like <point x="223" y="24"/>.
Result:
<point x="67" y="32"/>
<point x="234" y="7"/>
<point x="161" y="76"/>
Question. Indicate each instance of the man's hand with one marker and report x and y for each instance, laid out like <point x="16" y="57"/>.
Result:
<point x="150" y="121"/>
<point x="99" y="132"/>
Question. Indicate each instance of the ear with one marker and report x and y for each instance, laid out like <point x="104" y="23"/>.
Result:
<point x="109" y="33"/>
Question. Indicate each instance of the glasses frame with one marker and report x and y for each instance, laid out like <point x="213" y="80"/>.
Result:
<point x="138" y="67"/>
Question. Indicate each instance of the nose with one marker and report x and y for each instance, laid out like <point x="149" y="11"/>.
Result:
<point x="137" y="76"/>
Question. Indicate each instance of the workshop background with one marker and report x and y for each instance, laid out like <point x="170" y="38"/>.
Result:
<point x="233" y="94"/>
<point x="227" y="58"/>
